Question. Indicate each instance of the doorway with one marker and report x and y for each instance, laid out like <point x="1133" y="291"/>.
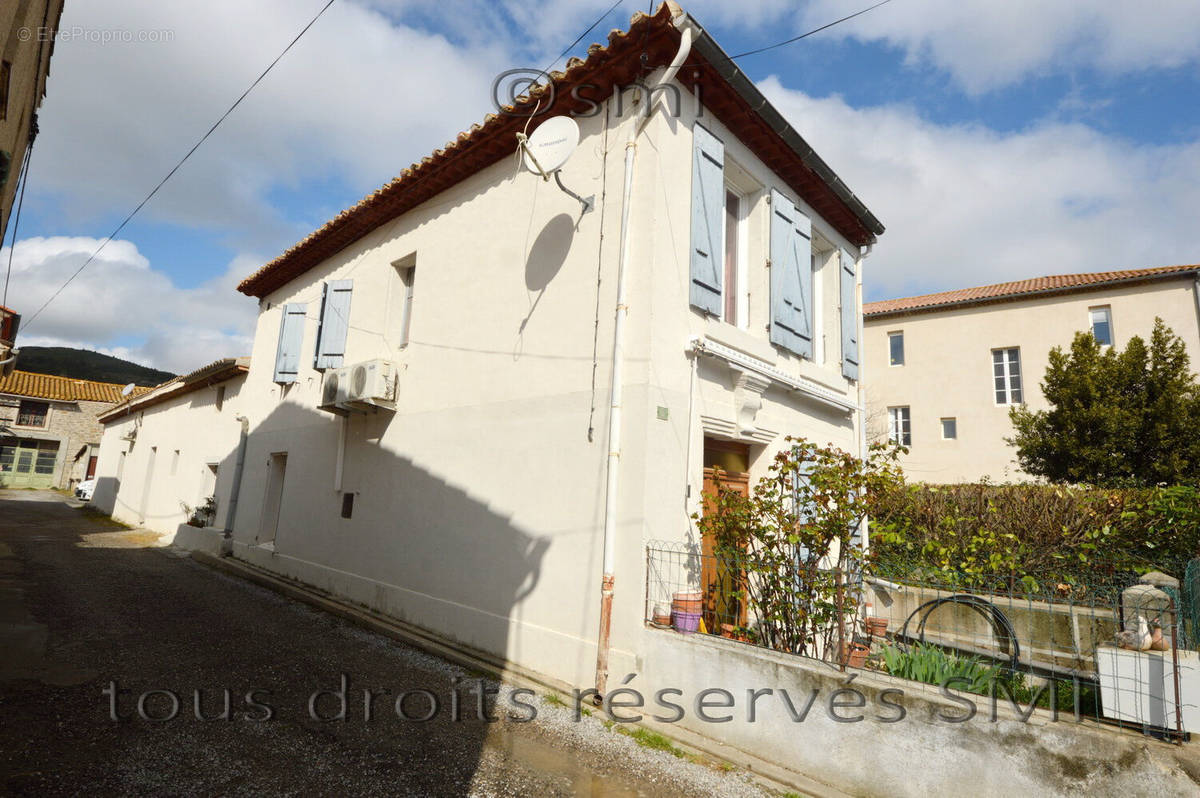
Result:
<point x="721" y="578"/>
<point x="276" y="470"/>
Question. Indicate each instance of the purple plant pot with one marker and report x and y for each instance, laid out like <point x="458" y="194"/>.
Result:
<point x="686" y="622"/>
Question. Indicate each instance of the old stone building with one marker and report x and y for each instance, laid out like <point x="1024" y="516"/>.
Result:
<point x="49" y="435"/>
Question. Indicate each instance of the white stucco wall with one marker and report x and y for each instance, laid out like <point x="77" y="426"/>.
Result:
<point x="948" y="367"/>
<point x="478" y="503"/>
<point x="154" y="487"/>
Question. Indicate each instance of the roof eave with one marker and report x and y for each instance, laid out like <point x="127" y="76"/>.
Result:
<point x="728" y="69"/>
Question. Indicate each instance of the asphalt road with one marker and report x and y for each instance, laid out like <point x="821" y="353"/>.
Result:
<point x="85" y="604"/>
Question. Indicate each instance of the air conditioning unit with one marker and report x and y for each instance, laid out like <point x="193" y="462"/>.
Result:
<point x="334" y="389"/>
<point x="370" y="384"/>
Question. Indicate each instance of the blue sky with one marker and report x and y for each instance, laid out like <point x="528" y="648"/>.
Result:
<point x="995" y="140"/>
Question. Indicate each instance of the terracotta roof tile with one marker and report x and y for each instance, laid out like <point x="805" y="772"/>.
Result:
<point x="63" y="389"/>
<point x="1020" y="289"/>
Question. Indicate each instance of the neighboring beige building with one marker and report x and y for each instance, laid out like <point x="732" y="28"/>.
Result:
<point x="166" y="445"/>
<point x="49" y="432"/>
<point x="27" y="30"/>
<point x="945" y="368"/>
<point x="434" y="371"/>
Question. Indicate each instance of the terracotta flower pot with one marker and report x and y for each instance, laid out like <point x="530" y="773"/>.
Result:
<point x="876" y="627"/>
<point x="854" y="655"/>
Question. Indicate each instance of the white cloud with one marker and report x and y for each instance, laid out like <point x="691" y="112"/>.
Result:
<point x="357" y="100"/>
<point x="965" y="205"/>
<point x="985" y="44"/>
<point x="121" y="305"/>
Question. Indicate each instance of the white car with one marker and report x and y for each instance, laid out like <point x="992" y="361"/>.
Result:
<point x="84" y="489"/>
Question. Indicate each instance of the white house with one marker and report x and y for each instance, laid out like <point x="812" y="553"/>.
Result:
<point x="162" y="451"/>
<point x="707" y="306"/>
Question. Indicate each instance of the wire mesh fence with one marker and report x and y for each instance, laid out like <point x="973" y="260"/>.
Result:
<point x="1109" y="649"/>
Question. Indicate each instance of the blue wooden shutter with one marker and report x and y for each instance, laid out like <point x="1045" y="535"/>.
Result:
<point x="791" y="277"/>
<point x="849" y="318"/>
<point x="708" y="210"/>
<point x="335" y="322"/>
<point x="291" y="336"/>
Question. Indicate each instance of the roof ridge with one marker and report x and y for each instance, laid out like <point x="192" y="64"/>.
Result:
<point x="1013" y="288"/>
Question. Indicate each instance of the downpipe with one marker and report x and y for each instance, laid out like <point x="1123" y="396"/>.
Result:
<point x="613" y="471"/>
<point x="238" y="466"/>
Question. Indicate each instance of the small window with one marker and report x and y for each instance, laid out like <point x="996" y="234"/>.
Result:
<point x="1101" y="319"/>
<point x="5" y="80"/>
<point x="347" y="505"/>
<point x="733" y="210"/>
<point x="174" y="462"/>
<point x="32" y="414"/>
<point x="896" y="349"/>
<point x="220" y="397"/>
<point x="900" y="426"/>
<point x="1006" y="375"/>
<point x="407" y="270"/>
<point x="949" y="429"/>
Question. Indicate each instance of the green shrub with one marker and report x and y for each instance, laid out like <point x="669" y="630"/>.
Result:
<point x="1041" y="537"/>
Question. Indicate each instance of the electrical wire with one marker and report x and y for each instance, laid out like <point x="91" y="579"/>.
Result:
<point x="182" y="161"/>
<point x="591" y="28"/>
<point x="809" y="33"/>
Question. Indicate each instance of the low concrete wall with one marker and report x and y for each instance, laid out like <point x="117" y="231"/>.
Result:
<point x="1061" y="635"/>
<point x="194" y="538"/>
<point x="923" y="753"/>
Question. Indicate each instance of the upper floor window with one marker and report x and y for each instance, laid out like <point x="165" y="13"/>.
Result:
<point x="896" y="349"/>
<point x="733" y="208"/>
<point x="1006" y="372"/>
<point x="900" y="426"/>
<point x="32" y="414"/>
<point x="1101" y="319"/>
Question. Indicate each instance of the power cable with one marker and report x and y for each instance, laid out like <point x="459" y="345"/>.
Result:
<point x="183" y="160"/>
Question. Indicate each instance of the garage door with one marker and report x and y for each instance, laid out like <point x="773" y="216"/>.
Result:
<point x="27" y="463"/>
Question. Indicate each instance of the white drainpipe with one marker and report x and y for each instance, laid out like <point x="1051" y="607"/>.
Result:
<point x="612" y="480"/>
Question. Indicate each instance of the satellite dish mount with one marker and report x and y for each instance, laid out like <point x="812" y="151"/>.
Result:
<point x="548" y="150"/>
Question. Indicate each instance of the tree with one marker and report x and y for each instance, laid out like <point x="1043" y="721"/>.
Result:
<point x="1129" y="418"/>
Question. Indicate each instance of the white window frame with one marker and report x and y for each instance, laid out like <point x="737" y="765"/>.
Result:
<point x="900" y="418"/>
<point x="892" y="335"/>
<point x="1107" y="311"/>
<point x="952" y="419"/>
<point x="741" y="268"/>
<point x="1007" y="375"/>
<point x="819" y="258"/>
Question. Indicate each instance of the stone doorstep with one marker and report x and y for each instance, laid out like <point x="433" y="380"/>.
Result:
<point x="768" y="774"/>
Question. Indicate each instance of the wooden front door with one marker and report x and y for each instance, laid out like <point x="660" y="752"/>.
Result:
<point x="721" y="580"/>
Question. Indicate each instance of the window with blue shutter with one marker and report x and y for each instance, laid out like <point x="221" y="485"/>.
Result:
<point x="708" y="206"/>
<point x="791" y="277"/>
<point x="335" y="323"/>
<point x="849" y="317"/>
<point x="291" y="336"/>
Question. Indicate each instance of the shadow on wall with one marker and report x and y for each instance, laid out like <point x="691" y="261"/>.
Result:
<point x="546" y="257"/>
<point x="95" y="606"/>
<point x="413" y="546"/>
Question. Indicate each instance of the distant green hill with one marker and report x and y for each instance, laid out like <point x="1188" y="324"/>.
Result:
<point x="83" y="364"/>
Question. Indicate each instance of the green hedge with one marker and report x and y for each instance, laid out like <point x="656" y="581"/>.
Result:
<point x="1033" y="533"/>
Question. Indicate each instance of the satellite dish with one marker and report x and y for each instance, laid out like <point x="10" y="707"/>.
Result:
<point x="128" y="389"/>
<point x="551" y="145"/>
